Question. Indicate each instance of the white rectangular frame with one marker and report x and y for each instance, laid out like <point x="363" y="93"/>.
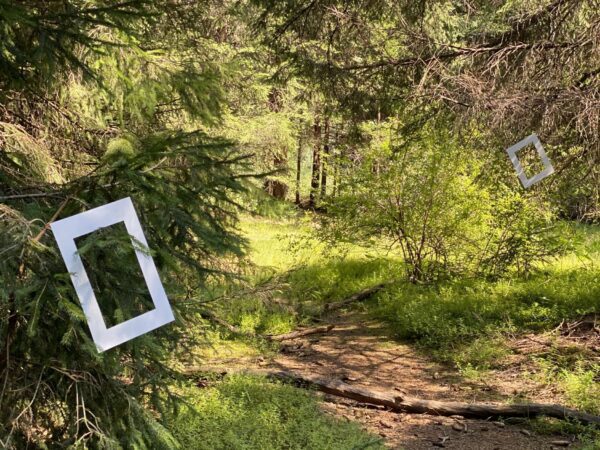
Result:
<point x="68" y="229"/>
<point x="512" y="153"/>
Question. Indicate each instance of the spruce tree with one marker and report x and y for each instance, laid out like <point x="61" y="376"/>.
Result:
<point x="78" y="130"/>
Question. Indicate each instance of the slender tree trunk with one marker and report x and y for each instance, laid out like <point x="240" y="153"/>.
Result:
<point x="277" y="188"/>
<point x="325" y="162"/>
<point x="299" y="168"/>
<point x="335" y="180"/>
<point x="316" y="167"/>
<point x="334" y="163"/>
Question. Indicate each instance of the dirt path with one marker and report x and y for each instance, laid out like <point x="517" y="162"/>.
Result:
<point x="361" y="353"/>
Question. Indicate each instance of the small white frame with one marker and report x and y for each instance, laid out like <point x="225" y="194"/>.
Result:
<point x="68" y="229"/>
<point x="512" y="153"/>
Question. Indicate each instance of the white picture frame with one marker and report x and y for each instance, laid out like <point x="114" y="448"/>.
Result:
<point x="512" y="153"/>
<point x="68" y="229"/>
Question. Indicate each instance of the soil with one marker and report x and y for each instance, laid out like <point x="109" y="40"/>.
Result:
<point x="362" y="353"/>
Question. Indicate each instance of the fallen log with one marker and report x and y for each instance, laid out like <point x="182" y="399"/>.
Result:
<point x="358" y="297"/>
<point x="300" y="333"/>
<point x="415" y="405"/>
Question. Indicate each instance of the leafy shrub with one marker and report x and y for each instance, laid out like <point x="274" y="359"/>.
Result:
<point x="428" y="199"/>
<point x="447" y="317"/>
<point x="582" y="387"/>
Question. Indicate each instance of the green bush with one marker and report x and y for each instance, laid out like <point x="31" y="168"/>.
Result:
<point x="430" y="199"/>
<point x="582" y="387"/>
<point x="448" y="317"/>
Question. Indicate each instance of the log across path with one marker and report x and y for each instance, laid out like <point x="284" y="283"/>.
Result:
<point x="300" y="333"/>
<point x="365" y="294"/>
<point x="415" y="405"/>
<point x="211" y="316"/>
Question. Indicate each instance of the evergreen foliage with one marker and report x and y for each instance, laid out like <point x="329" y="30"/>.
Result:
<point x="82" y="123"/>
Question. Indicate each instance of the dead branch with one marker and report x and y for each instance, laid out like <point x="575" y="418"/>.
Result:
<point x="358" y="297"/>
<point x="415" y="405"/>
<point x="212" y="317"/>
<point x="301" y="333"/>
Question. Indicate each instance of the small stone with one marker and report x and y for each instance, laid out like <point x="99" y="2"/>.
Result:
<point x="499" y="424"/>
<point x="386" y="424"/>
<point x="525" y="432"/>
<point x="436" y="376"/>
<point x="441" y="442"/>
<point x="561" y="443"/>
<point x="457" y="427"/>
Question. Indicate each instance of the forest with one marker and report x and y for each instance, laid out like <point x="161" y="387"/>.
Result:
<point x="300" y="224"/>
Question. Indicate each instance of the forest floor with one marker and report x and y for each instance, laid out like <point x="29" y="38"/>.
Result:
<point x="511" y="341"/>
<point x="360" y="351"/>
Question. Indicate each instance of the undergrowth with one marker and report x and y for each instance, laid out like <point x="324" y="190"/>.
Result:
<point x="464" y="323"/>
<point x="244" y="412"/>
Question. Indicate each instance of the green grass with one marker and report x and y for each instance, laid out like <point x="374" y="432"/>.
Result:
<point x="447" y="316"/>
<point x="465" y="323"/>
<point x="245" y="412"/>
<point x="462" y="322"/>
<point x="252" y="413"/>
<point x="303" y="273"/>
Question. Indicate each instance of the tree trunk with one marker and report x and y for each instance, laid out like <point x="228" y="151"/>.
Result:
<point x="325" y="163"/>
<point x="334" y="164"/>
<point x="358" y="297"/>
<point x="299" y="168"/>
<point x="316" y="167"/>
<point x="277" y="188"/>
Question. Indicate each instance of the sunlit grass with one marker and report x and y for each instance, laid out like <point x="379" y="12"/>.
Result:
<point x="280" y="244"/>
<point x="245" y="412"/>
